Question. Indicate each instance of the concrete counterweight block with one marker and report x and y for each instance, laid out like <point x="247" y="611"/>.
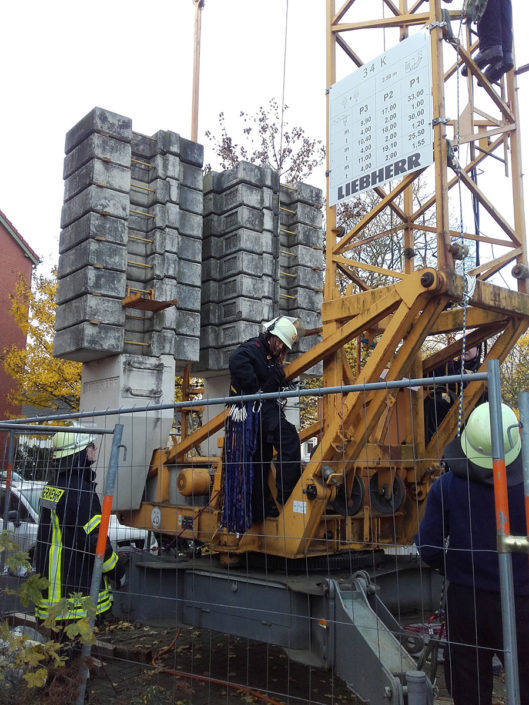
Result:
<point x="189" y="272"/>
<point x="165" y="289"/>
<point x="300" y="234"/>
<point x="95" y="253"/>
<point x="301" y="193"/>
<point x="182" y="322"/>
<point x="189" y="249"/>
<point x="190" y="224"/>
<point x="240" y="240"/>
<point x="90" y="280"/>
<point x="239" y="263"/>
<point x="301" y="276"/>
<point x="102" y="121"/>
<point x="303" y="299"/>
<point x="93" y="225"/>
<point x="97" y="147"/>
<point x="188" y="297"/>
<point x="191" y="200"/>
<point x="241" y="286"/>
<point x="99" y="173"/>
<point x="239" y="195"/>
<point x="244" y="172"/>
<point x="191" y="176"/>
<point x="308" y="215"/>
<point x="212" y="360"/>
<point x="88" y="341"/>
<point x="90" y="308"/>
<point x="96" y="199"/>
<point x="310" y="319"/>
<point x="250" y="310"/>
<point x="299" y="255"/>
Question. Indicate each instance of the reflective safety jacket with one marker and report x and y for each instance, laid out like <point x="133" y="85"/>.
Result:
<point x="70" y="514"/>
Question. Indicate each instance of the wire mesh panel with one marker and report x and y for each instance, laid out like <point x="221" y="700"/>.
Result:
<point x="293" y="605"/>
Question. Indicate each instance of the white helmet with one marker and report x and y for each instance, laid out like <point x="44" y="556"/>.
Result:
<point x="283" y="327"/>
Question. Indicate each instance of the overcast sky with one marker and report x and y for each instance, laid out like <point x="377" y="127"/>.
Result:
<point x="60" y="58"/>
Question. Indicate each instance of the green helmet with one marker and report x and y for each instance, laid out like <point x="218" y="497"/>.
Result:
<point x="68" y="443"/>
<point x="476" y="440"/>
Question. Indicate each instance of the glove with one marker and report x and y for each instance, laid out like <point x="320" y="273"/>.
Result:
<point x="119" y="575"/>
<point x="238" y="412"/>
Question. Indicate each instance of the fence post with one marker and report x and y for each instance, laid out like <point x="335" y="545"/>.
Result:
<point x="7" y="497"/>
<point x="100" y="550"/>
<point x="503" y="529"/>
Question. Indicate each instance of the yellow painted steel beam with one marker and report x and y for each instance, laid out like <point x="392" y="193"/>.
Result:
<point x="348" y="427"/>
<point x="452" y="351"/>
<point x="369" y="267"/>
<point x="489" y="207"/>
<point x="452" y="320"/>
<point x="378" y="208"/>
<point x="487" y="270"/>
<point x="467" y="236"/>
<point x="474" y="390"/>
<point x="454" y="181"/>
<point x="384" y="23"/>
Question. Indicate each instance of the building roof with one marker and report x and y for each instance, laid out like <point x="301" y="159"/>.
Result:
<point x="17" y="237"/>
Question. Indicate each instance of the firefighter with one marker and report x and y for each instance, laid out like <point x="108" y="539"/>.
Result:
<point x="257" y="366"/>
<point x="70" y="514"/>
<point x="460" y="510"/>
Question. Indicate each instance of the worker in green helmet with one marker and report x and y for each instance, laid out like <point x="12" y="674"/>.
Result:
<point x="69" y="518"/>
<point x="457" y="537"/>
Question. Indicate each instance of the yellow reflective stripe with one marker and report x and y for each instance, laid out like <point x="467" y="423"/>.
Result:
<point x="93" y="523"/>
<point x="110" y="563"/>
<point x="104" y="602"/>
<point x="54" y="560"/>
<point x="52" y="493"/>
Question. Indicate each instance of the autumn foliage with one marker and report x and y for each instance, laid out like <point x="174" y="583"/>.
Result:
<point x="43" y="381"/>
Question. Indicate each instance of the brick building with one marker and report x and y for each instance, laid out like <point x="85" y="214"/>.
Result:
<point x="18" y="259"/>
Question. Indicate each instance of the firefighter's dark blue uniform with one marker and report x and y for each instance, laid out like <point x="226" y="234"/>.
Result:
<point x="460" y="508"/>
<point x="70" y="514"/>
<point x="253" y="368"/>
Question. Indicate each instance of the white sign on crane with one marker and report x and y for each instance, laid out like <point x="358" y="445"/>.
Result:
<point x="381" y="119"/>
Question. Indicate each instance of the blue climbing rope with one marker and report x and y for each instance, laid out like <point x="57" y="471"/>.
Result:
<point x="240" y="441"/>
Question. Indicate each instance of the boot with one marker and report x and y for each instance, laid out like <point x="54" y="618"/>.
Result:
<point x="489" y="55"/>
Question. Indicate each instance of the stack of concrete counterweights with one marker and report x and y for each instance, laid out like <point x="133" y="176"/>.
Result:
<point x="156" y="259"/>
<point x="130" y="249"/>
<point x="262" y="257"/>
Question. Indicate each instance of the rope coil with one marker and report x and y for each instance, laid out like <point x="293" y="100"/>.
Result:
<point x="240" y="442"/>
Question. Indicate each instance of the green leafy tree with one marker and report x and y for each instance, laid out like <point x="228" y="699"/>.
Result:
<point x="37" y="670"/>
<point x="43" y="381"/>
<point x="514" y="372"/>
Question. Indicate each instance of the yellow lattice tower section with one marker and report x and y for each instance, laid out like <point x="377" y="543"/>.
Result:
<point x="422" y="302"/>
